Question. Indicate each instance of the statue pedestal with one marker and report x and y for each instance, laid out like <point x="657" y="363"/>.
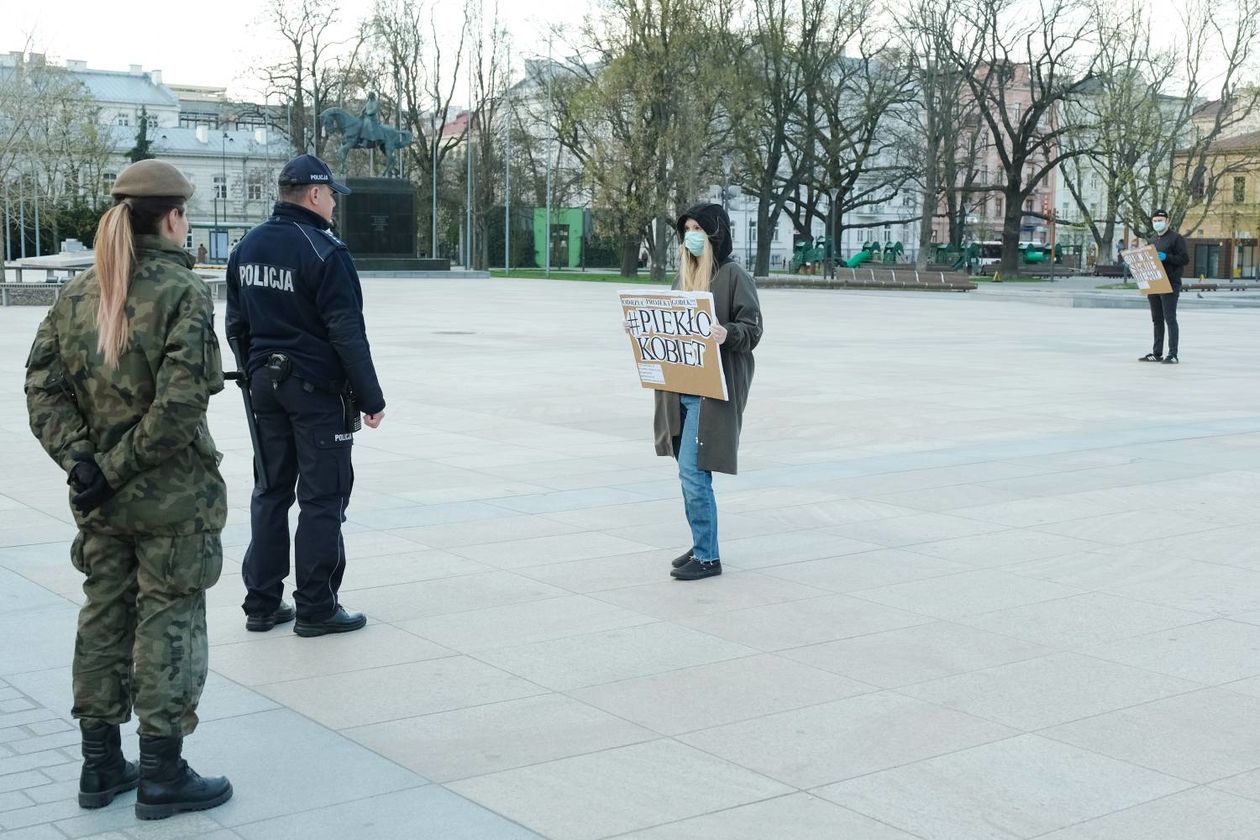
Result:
<point x="377" y="220"/>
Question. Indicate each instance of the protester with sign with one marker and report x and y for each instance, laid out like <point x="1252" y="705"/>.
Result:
<point x="702" y="433"/>
<point x="1174" y="254"/>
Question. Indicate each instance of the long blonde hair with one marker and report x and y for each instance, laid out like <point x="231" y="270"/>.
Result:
<point x="695" y="274"/>
<point x="115" y="247"/>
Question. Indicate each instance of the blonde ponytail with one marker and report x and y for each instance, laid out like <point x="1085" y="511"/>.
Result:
<point x="115" y="255"/>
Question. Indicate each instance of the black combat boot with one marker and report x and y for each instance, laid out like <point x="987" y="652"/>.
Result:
<point x="106" y="773"/>
<point x="168" y="785"/>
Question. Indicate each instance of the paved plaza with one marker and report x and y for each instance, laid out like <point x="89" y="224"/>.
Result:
<point x="986" y="577"/>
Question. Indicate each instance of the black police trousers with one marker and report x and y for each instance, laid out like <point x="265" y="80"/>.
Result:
<point x="305" y="443"/>
<point x="1164" y="310"/>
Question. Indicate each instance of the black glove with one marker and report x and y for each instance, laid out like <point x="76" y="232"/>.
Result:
<point x="87" y="478"/>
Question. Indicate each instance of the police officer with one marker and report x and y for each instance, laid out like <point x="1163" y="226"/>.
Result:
<point x="117" y="385"/>
<point x="295" y="319"/>
<point x="1175" y="255"/>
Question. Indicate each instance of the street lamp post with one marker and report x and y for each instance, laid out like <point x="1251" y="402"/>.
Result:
<point x="726" y="179"/>
<point x="507" y="174"/>
<point x="8" y="244"/>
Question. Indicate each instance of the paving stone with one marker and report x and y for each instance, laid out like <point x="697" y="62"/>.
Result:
<point x="619" y="790"/>
<point x="1021" y="787"/>
<point x="1201" y="812"/>
<point x="426" y="813"/>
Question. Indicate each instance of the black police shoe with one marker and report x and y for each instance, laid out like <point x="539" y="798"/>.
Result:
<point x="262" y="623"/>
<point x="695" y="569"/>
<point x="340" y="622"/>
<point x="681" y="560"/>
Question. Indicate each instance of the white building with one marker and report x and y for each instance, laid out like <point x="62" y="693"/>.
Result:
<point x="227" y="150"/>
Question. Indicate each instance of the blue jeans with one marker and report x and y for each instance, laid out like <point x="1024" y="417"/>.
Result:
<point x="697" y="484"/>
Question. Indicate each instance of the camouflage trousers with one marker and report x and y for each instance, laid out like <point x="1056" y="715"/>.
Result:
<point x="142" y="641"/>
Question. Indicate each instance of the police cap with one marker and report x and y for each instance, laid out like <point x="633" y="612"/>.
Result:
<point x="151" y="178"/>
<point x="308" y="169"/>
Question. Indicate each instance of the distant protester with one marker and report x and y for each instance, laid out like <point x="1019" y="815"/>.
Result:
<point x="1175" y="255"/>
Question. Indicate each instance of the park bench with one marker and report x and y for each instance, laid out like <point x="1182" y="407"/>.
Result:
<point x="874" y="278"/>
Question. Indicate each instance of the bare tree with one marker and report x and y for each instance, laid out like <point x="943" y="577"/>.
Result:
<point x="55" y="150"/>
<point x="424" y="73"/>
<point x="1185" y="171"/>
<point x="771" y="82"/>
<point x="643" y="115"/>
<point x="946" y="136"/>
<point x="1022" y="61"/>
<point x="863" y="100"/>
<point x="304" y="79"/>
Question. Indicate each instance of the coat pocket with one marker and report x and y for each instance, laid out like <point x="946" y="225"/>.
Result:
<point x="193" y="563"/>
<point x="77" y="558"/>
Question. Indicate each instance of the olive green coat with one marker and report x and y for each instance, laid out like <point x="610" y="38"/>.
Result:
<point x="145" y="421"/>
<point x="737" y="308"/>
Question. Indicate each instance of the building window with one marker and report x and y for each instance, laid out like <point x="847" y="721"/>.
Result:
<point x="188" y="241"/>
<point x="255" y="190"/>
<point x="107" y="182"/>
<point x="124" y="119"/>
<point x="220" y="187"/>
<point x="1240" y="190"/>
<point x="192" y="119"/>
<point x="997" y="207"/>
<point x="888" y="233"/>
<point x="907" y="200"/>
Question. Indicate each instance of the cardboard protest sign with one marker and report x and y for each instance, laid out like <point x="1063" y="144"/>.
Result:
<point x="672" y="337"/>
<point x="1147" y="270"/>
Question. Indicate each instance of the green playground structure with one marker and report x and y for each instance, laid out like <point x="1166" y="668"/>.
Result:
<point x="870" y="250"/>
<point x="808" y="252"/>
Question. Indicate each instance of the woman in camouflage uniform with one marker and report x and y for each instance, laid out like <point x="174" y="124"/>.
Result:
<point x="117" y="386"/>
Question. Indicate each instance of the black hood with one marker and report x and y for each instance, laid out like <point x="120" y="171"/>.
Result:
<point x="716" y="224"/>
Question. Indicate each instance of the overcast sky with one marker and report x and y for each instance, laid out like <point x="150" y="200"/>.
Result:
<point x="218" y="43"/>
<point x="213" y="43"/>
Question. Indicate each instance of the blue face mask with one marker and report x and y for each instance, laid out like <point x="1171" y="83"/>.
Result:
<point x="694" y="242"/>
<point x="1160" y="227"/>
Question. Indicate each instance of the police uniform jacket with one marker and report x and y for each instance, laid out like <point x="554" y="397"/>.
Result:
<point x="143" y="421"/>
<point x="293" y="289"/>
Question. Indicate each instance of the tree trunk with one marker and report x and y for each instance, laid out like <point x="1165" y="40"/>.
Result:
<point x="765" y="238"/>
<point x="1013" y="214"/>
<point x="932" y="158"/>
<point x="658" y="249"/>
<point x="630" y="256"/>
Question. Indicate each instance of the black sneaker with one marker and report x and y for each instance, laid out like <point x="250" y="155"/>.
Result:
<point x="695" y="569"/>
<point x="1171" y="360"/>
<point x="681" y="560"/>
<point x="340" y="622"/>
<point x="1151" y="357"/>
<point x="262" y="623"/>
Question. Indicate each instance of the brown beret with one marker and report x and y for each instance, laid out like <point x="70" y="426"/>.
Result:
<point x="151" y="178"/>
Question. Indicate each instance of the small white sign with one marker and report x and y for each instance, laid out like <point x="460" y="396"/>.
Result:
<point x="652" y="374"/>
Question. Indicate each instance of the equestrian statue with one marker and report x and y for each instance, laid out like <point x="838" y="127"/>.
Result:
<point x="366" y="132"/>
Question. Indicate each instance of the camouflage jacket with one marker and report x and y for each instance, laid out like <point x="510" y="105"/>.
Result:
<point x="144" y="421"/>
